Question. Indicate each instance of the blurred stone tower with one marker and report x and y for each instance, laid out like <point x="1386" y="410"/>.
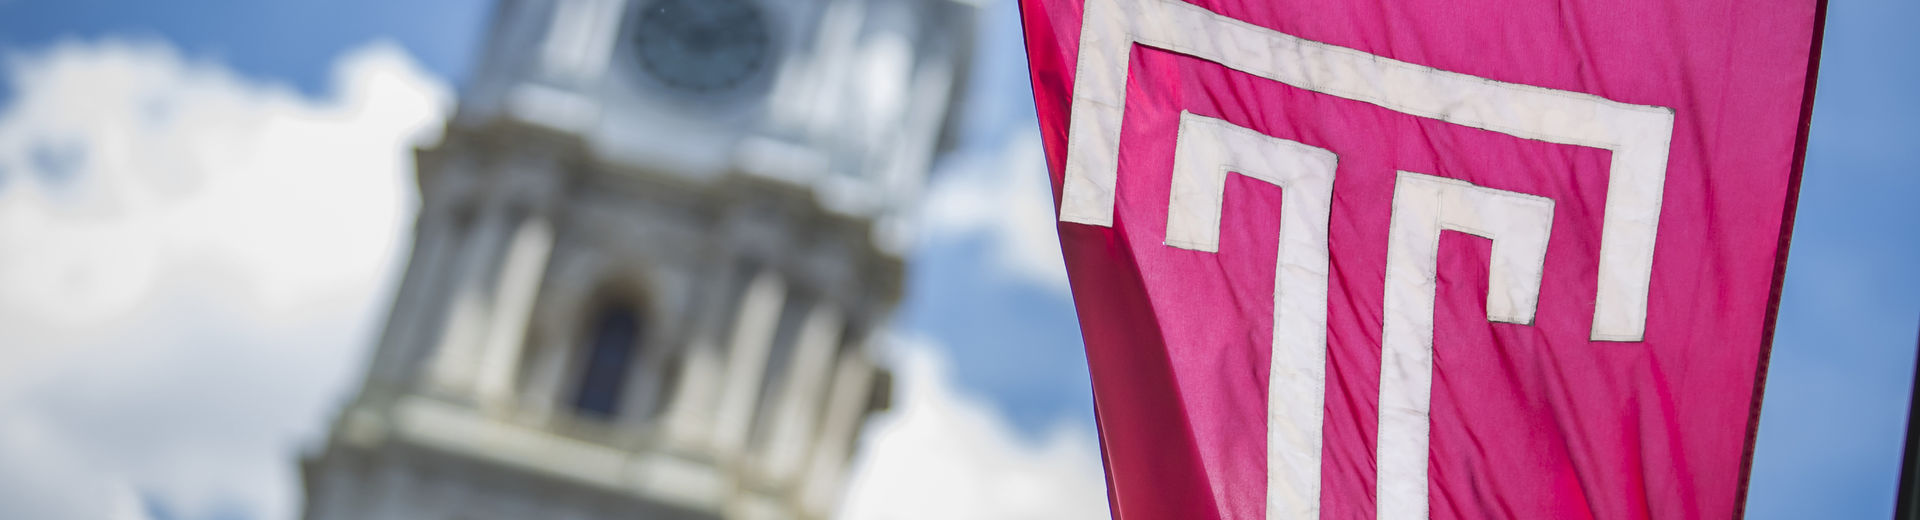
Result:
<point x="653" y="253"/>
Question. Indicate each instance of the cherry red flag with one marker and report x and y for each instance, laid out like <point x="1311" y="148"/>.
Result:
<point x="1425" y="258"/>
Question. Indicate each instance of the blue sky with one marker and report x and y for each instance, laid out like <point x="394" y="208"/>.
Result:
<point x="284" y="41"/>
<point x="1833" y="419"/>
<point x="1843" y="359"/>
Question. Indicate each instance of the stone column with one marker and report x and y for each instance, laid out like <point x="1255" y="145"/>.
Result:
<point x="580" y="39"/>
<point x="516" y="288"/>
<point x="416" y="304"/>
<point x="797" y="403"/>
<point x="689" y="417"/>
<point x="846" y="408"/>
<point x="452" y="368"/>
<point x="753" y="335"/>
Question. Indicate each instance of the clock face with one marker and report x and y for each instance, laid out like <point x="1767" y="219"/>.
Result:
<point x="702" y="46"/>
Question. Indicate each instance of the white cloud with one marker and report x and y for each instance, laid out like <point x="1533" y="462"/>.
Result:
<point x="940" y="455"/>
<point x="1002" y="195"/>
<point x="191" y="266"/>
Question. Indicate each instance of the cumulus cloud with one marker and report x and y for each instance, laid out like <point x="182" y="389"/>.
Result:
<point x="940" y="454"/>
<point x="192" y="264"/>
<point x="1000" y="196"/>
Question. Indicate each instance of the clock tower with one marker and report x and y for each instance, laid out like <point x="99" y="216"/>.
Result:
<point x="654" y="257"/>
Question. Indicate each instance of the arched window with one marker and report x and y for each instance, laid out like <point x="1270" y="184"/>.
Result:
<point x="609" y="352"/>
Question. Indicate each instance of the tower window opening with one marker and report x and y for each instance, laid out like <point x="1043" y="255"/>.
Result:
<point x="610" y="350"/>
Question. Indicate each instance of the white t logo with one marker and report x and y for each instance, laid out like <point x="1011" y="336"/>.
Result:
<point x="1637" y="135"/>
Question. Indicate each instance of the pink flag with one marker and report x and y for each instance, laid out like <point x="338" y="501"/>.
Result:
<point x="1425" y="258"/>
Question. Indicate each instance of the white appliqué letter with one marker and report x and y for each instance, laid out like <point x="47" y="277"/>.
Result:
<point x="1209" y="149"/>
<point x="1519" y="225"/>
<point x="1636" y="135"/>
